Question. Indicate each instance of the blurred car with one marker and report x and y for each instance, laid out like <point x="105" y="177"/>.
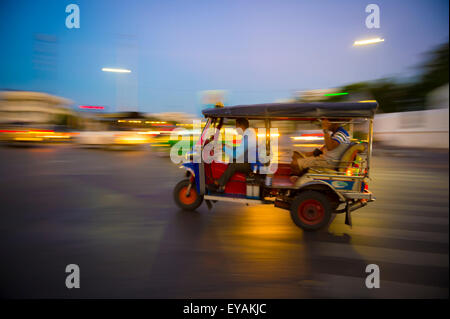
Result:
<point x="112" y="139"/>
<point x="25" y="134"/>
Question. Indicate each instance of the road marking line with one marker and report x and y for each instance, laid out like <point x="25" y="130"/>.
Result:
<point x="393" y="233"/>
<point x="348" y="287"/>
<point x="377" y="254"/>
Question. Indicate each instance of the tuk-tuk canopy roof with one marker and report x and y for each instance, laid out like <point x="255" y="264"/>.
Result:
<point x="296" y="110"/>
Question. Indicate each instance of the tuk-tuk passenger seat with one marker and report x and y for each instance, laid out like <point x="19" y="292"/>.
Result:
<point x="347" y="158"/>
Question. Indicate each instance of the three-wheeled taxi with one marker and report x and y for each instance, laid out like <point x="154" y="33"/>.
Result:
<point x="313" y="197"/>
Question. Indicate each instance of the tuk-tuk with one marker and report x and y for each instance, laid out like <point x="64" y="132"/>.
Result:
<point x="311" y="198"/>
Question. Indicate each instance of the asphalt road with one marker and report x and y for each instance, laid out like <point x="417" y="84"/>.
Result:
<point x="112" y="214"/>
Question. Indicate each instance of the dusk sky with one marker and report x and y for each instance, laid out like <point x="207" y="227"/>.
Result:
<point x="260" y="51"/>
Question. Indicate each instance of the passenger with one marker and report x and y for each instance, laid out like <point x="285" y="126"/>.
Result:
<point x="328" y="155"/>
<point x="242" y="164"/>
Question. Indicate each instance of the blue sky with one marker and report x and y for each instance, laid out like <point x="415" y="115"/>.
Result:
<point x="260" y="51"/>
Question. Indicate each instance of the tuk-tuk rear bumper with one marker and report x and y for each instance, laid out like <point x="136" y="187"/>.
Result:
<point x="358" y="195"/>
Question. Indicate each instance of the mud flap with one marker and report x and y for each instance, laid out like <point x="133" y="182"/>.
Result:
<point x="348" y="216"/>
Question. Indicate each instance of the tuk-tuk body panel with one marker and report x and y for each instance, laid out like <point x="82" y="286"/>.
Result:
<point x="236" y="185"/>
<point x="340" y="185"/>
<point x="193" y="168"/>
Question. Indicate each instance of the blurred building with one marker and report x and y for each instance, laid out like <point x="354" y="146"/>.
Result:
<point x="438" y="98"/>
<point x="28" y="107"/>
<point x="179" y="117"/>
<point x="418" y="129"/>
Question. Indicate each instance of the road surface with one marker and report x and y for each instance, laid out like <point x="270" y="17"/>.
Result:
<point x="112" y="214"/>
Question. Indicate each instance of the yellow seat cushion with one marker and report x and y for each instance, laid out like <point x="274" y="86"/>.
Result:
<point x="350" y="154"/>
<point x="325" y="170"/>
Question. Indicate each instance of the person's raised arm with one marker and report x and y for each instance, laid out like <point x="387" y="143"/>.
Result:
<point x="330" y="144"/>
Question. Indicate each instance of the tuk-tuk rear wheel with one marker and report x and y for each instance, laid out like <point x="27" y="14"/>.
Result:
<point x="311" y="210"/>
<point x="185" y="201"/>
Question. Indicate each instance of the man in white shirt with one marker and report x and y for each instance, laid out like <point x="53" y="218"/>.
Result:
<point x="337" y="141"/>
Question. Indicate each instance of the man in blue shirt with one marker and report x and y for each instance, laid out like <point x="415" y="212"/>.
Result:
<point x="245" y="154"/>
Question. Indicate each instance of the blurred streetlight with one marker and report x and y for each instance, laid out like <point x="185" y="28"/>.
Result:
<point x="368" y="41"/>
<point x="116" y="70"/>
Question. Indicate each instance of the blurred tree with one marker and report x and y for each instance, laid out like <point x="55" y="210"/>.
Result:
<point x="436" y="68"/>
<point x="434" y="73"/>
<point x="395" y="96"/>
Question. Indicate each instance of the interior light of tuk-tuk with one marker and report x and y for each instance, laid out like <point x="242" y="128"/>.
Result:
<point x="307" y="138"/>
<point x="308" y="145"/>
<point x="349" y="172"/>
<point x="274" y="134"/>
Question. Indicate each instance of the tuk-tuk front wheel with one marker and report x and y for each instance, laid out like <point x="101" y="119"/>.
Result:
<point x="186" y="197"/>
<point x="311" y="210"/>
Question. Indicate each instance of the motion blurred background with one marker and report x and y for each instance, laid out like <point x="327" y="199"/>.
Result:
<point x="178" y="56"/>
<point x="73" y="99"/>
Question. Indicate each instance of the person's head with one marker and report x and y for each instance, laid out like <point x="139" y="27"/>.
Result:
<point x="242" y="124"/>
<point x="332" y="125"/>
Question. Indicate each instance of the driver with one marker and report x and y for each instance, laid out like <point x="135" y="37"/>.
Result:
<point x="242" y="165"/>
<point x="337" y="141"/>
